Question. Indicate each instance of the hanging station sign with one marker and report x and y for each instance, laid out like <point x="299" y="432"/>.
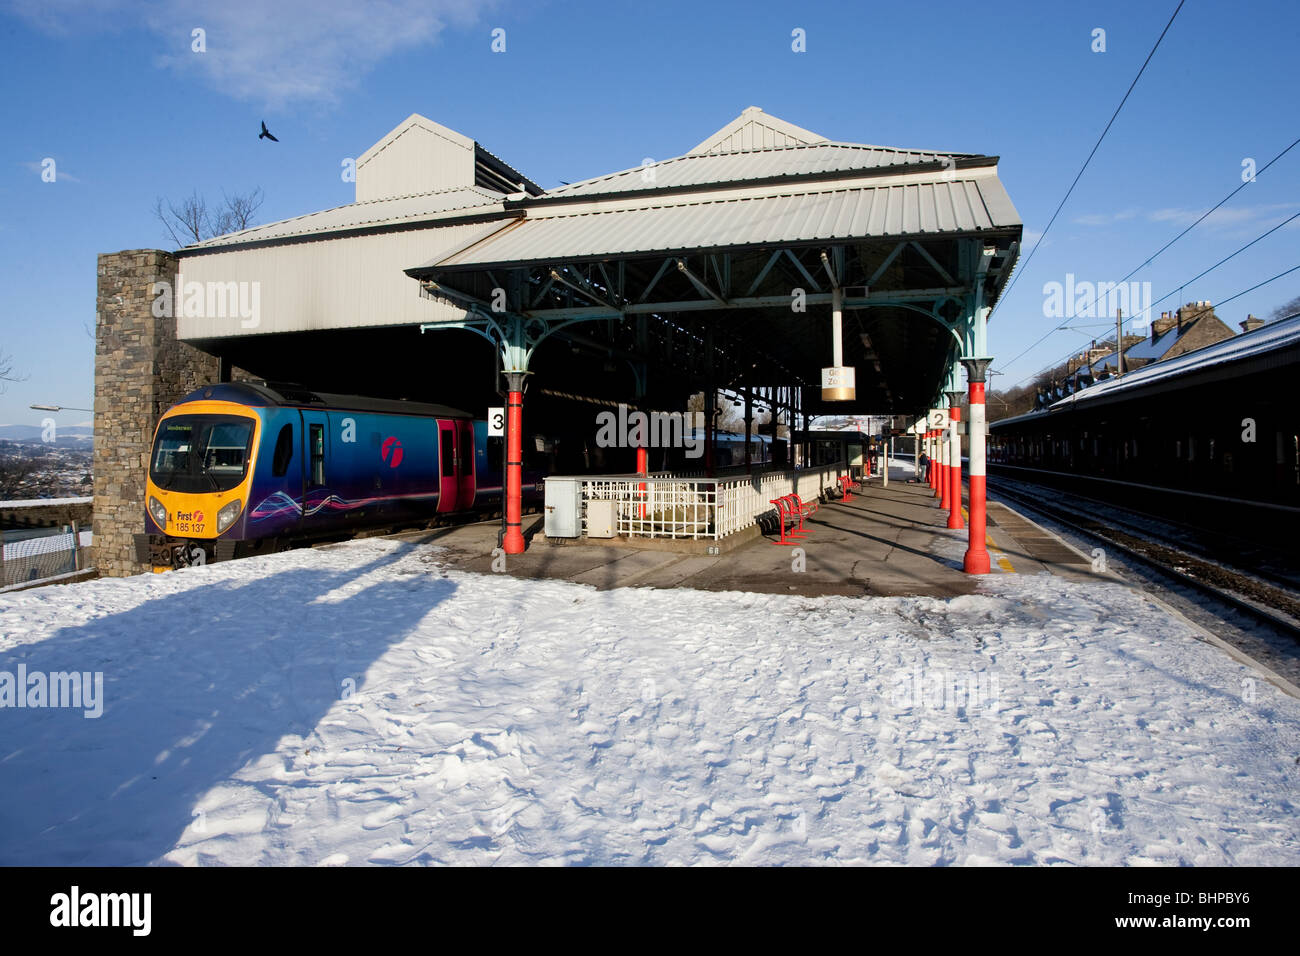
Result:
<point x="838" y="383"/>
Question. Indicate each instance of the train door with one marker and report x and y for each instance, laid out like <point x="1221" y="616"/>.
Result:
<point x="465" y="464"/>
<point x="448" y="484"/>
<point x="455" y="465"/>
<point x="315" y="449"/>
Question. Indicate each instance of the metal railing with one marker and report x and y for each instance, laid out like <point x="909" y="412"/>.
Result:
<point x="32" y="556"/>
<point x="671" y="506"/>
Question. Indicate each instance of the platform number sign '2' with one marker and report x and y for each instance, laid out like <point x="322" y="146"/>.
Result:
<point x="496" y="421"/>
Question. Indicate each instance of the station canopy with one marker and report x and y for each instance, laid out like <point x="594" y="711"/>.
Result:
<point x="719" y="265"/>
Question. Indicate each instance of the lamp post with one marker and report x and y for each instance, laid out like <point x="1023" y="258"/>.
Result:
<point x="60" y="408"/>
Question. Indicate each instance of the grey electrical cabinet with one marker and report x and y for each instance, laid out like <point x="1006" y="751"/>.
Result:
<point x="601" y="521"/>
<point x="563" y="508"/>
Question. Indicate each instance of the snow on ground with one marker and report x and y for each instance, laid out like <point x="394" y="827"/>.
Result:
<point x="45" y="502"/>
<point x="360" y="705"/>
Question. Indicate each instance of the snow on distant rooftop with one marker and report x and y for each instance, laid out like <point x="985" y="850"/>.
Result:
<point x="361" y="705"/>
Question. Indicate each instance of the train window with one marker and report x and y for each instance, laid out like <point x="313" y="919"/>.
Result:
<point x="448" y="460"/>
<point x="283" y="452"/>
<point x="496" y="451"/>
<point x="466" y="453"/>
<point x="317" y="445"/>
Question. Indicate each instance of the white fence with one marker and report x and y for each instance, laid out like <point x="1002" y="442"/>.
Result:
<point x="37" y="555"/>
<point x="659" y="506"/>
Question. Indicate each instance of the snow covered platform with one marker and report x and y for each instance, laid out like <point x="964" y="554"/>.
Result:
<point x="366" y="704"/>
<point x="885" y="542"/>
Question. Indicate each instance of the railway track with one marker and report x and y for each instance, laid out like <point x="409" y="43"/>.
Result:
<point x="1246" y="553"/>
<point x="1263" y="601"/>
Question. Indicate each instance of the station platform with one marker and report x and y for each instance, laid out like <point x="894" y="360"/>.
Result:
<point x="885" y="542"/>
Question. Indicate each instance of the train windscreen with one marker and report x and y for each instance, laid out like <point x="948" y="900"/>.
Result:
<point x="200" y="453"/>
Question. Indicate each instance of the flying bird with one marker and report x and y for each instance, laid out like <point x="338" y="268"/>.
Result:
<point x="266" y="133"/>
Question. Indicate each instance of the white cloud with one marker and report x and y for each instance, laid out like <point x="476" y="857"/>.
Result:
<point x="1227" y="216"/>
<point x="1106" y="218"/>
<point x="271" y="53"/>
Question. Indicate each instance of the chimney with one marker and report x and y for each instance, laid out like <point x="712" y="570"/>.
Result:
<point x="1192" y="311"/>
<point x="1251" y="324"/>
<point x="1162" y="325"/>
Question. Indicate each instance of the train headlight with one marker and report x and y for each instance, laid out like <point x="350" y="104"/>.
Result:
<point x="158" y="512"/>
<point x="227" y="515"/>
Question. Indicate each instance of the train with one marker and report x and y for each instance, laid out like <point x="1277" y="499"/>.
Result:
<point x="245" y="468"/>
<point x="1211" y="433"/>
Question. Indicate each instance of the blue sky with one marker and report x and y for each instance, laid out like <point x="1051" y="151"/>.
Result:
<point x="112" y="92"/>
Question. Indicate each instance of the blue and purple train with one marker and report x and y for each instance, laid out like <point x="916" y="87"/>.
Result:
<point x="248" y="468"/>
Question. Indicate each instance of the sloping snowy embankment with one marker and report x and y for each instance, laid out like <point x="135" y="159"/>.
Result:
<point x="359" y="705"/>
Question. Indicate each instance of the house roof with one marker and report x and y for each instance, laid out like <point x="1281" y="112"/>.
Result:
<point x="1280" y="336"/>
<point x="1156" y="348"/>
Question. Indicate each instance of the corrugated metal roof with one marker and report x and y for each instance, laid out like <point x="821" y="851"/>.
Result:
<point x="754" y="129"/>
<point x="963" y="205"/>
<point x="1268" y="338"/>
<point x="740" y="166"/>
<point x="430" y="205"/>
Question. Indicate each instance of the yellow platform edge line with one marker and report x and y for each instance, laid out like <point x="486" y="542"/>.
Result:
<point x="1001" y="559"/>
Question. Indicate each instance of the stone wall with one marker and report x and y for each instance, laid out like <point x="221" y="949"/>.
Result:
<point x="140" y="369"/>
<point x="34" y="515"/>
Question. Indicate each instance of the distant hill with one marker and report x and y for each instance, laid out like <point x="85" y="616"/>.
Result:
<point x="66" y="436"/>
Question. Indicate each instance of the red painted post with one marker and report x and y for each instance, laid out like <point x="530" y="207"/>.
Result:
<point x="642" y="468"/>
<point x="934" y="461"/>
<point x="977" y="555"/>
<point x="945" y="479"/>
<point x="514" y="539"/>
<point x="929" y="445"/>
<point x="938" y="465"/>
<point x="954" y="471"/>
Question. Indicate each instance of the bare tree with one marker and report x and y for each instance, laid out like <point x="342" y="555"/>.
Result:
<point x="237" y="214"/>
<point x="192" y="221"/>
<point x="187" y="223"/>
<point x="15" y="471"/>
<point x="1287" y="310"/>
<point x="7" y="373"/>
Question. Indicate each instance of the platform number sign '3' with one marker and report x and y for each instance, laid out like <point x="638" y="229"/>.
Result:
<point x="496" y="421"/>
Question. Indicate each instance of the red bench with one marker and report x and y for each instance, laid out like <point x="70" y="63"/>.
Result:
<point x="792" y="506"/>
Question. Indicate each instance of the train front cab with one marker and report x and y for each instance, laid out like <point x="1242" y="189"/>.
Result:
<point x="188" y="507"/>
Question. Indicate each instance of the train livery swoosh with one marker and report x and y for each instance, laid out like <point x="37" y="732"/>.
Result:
<point x="321" y="499"/>
<point x="275" y="506"/>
